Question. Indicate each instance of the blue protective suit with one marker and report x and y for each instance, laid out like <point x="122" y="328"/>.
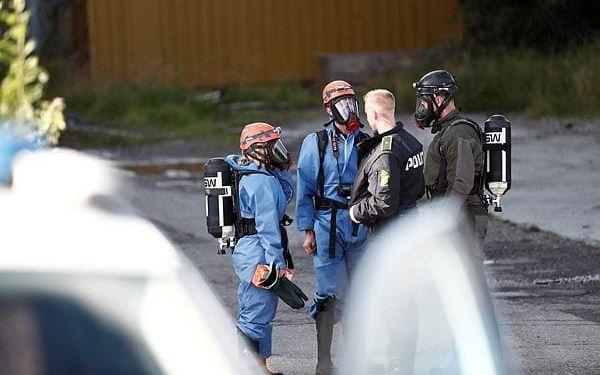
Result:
<point x="11" y="143"/>
<point x="263" y="195"/>
<point x="332" y="273"/>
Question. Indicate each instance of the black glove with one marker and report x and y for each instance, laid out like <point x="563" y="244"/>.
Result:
<point x="271" y="278"/>
<point x="289" y="293"/>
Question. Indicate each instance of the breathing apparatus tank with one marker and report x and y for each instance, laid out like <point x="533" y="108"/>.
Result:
<point x="497" y="158"/>
<point x="219" y="187"/>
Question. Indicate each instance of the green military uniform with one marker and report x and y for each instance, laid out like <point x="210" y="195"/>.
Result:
<point x="454" y="171"/>
<point x="454" y="168"/>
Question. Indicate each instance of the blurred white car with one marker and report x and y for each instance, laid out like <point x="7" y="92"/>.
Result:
<point x="88" y="287"/>
<point x="419" y="304"/>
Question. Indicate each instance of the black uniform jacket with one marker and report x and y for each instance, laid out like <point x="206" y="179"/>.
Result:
<point x="389" y="179"/>
<point x="461" y="146"/>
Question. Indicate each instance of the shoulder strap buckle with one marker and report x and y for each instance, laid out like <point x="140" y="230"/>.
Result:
<point x="286" y="221"/>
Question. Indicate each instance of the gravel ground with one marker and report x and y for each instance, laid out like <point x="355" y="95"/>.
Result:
<point x="555" y="169"/>
<point x="546" y="286"/>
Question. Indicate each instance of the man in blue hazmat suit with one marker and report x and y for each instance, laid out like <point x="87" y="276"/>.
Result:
<point x="327" y="167"/>
<point x="264" y="189"/>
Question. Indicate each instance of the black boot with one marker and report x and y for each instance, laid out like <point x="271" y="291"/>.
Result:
<point x="324" y="322"/>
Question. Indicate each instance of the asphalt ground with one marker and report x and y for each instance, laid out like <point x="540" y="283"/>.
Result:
<point x="545" y="286"/>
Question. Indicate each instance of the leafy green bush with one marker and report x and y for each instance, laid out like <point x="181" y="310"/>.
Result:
<point x="22" y="86"/>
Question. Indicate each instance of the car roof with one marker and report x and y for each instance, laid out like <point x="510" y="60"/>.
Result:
<point x="48" y="225"/>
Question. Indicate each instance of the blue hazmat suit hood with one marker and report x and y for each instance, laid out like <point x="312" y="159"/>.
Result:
<point x="283" y="176"/>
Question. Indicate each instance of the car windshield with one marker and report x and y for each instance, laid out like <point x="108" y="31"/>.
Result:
<point x="47" y="332"/>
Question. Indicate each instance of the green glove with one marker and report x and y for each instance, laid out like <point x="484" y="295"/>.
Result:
<point x="272" y="278"/>
<point x="289" y="293"/>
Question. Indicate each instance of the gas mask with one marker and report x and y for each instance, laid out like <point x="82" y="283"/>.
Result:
<point x="345" y="112"/>
<point x="272" y="154"/>
<point x="424" y="115"/>
<point x="278" y="153"/>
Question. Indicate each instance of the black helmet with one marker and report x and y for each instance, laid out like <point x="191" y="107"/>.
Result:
<point x="431" y="84"/>
<point x="436" y="82"/>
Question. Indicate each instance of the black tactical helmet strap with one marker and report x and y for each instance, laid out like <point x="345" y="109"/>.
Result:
<point x="439" y="109"/>
<point x="437" y="82"/>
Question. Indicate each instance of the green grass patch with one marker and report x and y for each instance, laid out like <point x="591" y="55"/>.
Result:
<point x="281" y="95"/>
<point x="139" y="106"/>
<point x="157" y="112"/>
<point x="565" y="85"/>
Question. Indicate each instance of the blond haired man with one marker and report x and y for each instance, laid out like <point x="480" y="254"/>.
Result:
<point x="390" y="175"/>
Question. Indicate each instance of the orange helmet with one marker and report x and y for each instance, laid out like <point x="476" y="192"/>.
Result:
<point x="258" y="132"/>
<point x="336" y="89"/>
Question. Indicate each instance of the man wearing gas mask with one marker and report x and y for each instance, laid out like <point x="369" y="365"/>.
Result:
<point x="390" y="175"/>
<point x="327" y="167"/>
<point x="454" y="172"/>
<point x="261" y="259"/>
<point x="454" y="168"/>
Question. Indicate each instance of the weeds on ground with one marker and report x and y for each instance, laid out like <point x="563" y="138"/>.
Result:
<point x="158" y="112"/>
<point x="281" y="95"/>
<point x="566" y="85"/>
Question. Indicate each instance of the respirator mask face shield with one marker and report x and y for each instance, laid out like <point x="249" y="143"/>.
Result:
<point x="278" y="154"/>
<point x="424" y="112"/>
<point x="345" y="112"/>
<point x="269" y="151"/>
<point x="272" y="154"/>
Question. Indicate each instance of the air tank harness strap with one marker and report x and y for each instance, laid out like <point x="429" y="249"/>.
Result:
<point x="287" y="255"/>
<point x="436" y="190"/>
<point x="247" y="227"/>
<point x="355" y="228"/>
<point x="477" y="185"/>
<point x="322" y="204"/>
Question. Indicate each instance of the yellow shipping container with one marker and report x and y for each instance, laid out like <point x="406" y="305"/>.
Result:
<point x="219" y="42"/>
